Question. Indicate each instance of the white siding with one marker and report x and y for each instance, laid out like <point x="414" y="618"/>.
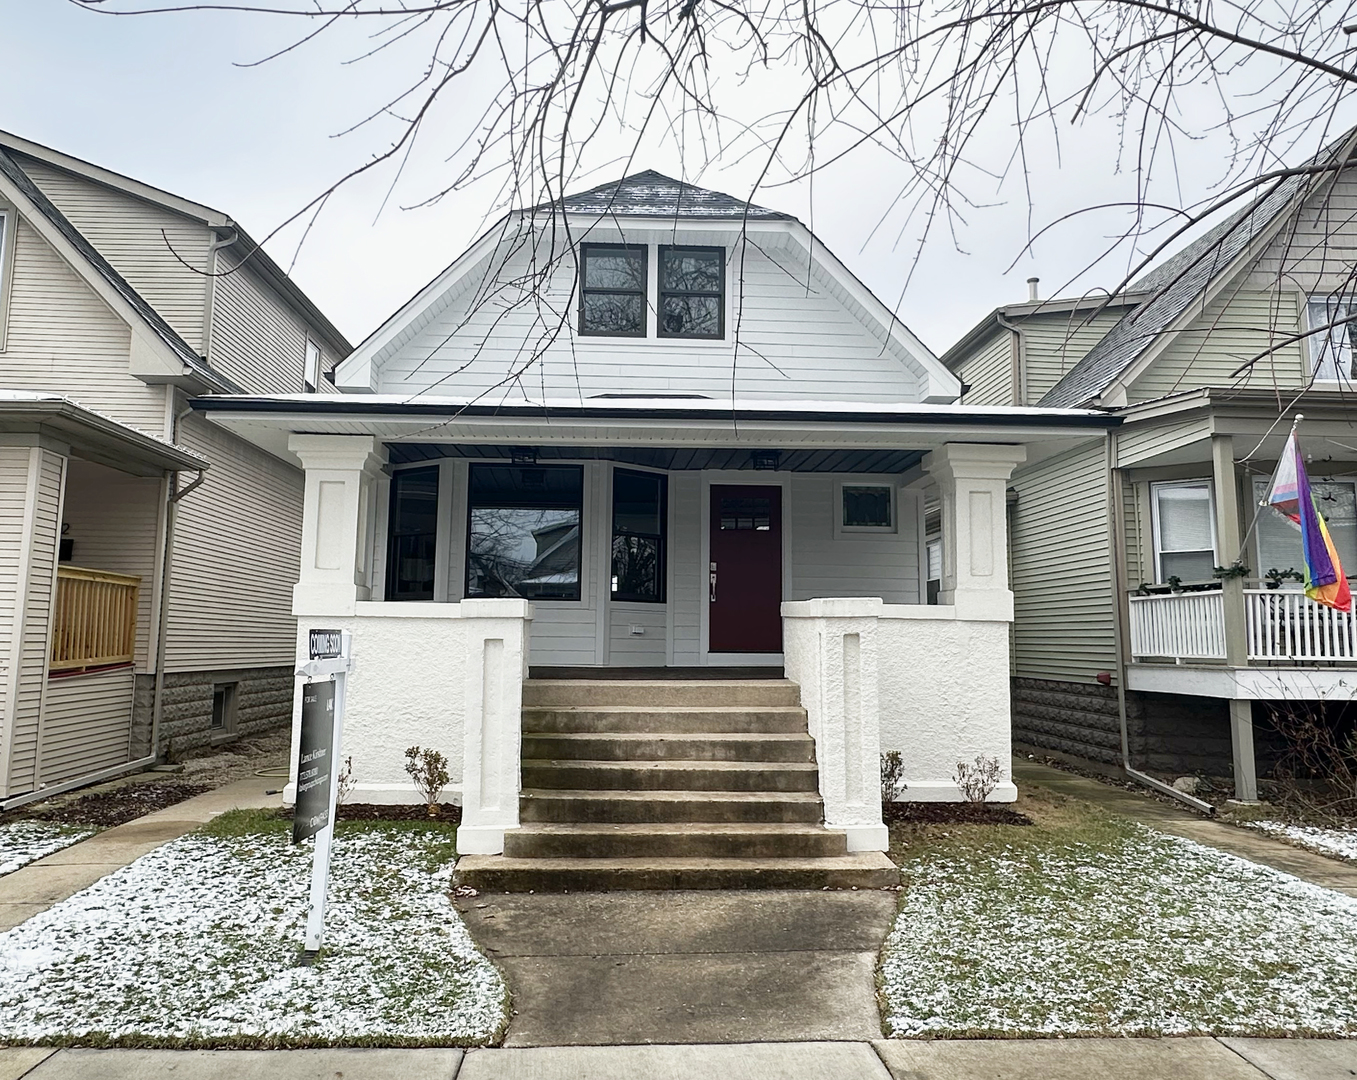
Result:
<point x="799" y="339"/>
<point x="882" y="564"/>
<point x="256" y="339"/>
<point x="63" y="339"/>
<point x="646" y="649"/>
<point x="14" y="472"/>
<point x="147" y="244"/>
<point x="235" y="558"/>
<point x="86" y="724"/>
<point x="114" y="521"/>
<point x="687" y="577"/>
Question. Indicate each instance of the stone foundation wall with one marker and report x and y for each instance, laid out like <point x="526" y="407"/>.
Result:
<point x="263" y="702"/>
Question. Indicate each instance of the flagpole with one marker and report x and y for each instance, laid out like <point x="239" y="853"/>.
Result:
<point x="1261" y="503"/>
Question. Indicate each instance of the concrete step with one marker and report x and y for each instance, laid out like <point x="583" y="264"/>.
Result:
<point x="543" y="805"/>
<point x="660" y="694"/>
<point x="670" y="775"/>
<point x="644" y="746"/>
<point x="676" y="841"/>
<point x="766" y="720"/>
<point x="500" y="873"/>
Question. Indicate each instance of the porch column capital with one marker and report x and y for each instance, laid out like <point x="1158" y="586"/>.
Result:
<point x="972" y="479"/>
<point x="337" y="521"/>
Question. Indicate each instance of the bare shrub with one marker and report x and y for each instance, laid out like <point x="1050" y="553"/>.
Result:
<point x="1316" y="774"/>
<point x="978" y="779"/>
<point x="344" y="788"/>
<point x="892" y="775"/>
<point x="429" y="770"/>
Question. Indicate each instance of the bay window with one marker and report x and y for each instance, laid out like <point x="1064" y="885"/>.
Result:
<point x="411" y="534"/>
<point x="523" y="531"/>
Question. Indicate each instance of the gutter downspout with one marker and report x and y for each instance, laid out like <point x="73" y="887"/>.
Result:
<point x="1116" y="519"/>
<point x="1019" y="377"/>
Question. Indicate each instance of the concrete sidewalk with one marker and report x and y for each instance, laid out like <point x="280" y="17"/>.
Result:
<point x="1168" y="818"/>
<point x="40" y="884"/>
<point x="1050" y="1059"/>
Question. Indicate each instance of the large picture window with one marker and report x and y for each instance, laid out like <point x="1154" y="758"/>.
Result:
<point x="1184" y="531"/>
<point x="411" y="534"/>
<point x="523" y="531"/>
<point x="613" y="290"/>
<point x="692" y="292"/>
<point x="1279" y="544"/>
<point x="638" y="535"/>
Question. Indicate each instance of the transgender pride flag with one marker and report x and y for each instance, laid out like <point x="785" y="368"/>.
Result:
<point x="1290" y="496"/>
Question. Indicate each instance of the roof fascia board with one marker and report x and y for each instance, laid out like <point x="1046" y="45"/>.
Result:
<point x="117" y="181"/>
<point x="94" y="436"/>
<point x="149" y="350"/>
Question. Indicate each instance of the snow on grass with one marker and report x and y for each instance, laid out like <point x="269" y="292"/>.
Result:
<point x="1336" y="843"/>
<point x="1113" y="930"/>
<point x="23" y="842"/>
<point x="197" y="944"/>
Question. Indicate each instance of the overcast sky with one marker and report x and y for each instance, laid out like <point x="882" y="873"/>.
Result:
<point x="163" y="99"/>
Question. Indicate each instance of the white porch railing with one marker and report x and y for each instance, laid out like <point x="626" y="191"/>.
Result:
<point x="1285" y="624"/>
<point x="1180" y="626"/>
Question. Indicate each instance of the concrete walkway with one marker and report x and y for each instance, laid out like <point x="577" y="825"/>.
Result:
<point x="40" y="884"/>
<point x="1075" y="1059"/>
<point x="1246" y="843"/>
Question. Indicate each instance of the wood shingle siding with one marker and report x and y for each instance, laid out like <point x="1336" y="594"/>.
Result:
<point x="988" y="373"/>
<point x="235" y="557"/>
<point x="147" y="244"/>
<point x="1061" y="569"/>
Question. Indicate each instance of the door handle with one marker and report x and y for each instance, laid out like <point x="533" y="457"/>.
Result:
<point x="712" y="578"/>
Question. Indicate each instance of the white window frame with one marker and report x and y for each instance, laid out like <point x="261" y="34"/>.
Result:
<point x="315" y="358"/>
<point x="8" y="227"/>
<point x="1156" y="532"/>
<point x="1335" y="342"/>
<point x="840" y="529"/>
<point x="931" y="544"/>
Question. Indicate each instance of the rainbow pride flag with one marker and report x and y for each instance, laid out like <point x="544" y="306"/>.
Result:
<point x="1290" y="496"/>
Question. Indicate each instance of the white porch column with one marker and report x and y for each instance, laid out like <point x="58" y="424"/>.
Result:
<point x="496" y="665"/>
<point x="972" y="479"/>
<point x="831" y="651"/>
<point x="336" y="521"/>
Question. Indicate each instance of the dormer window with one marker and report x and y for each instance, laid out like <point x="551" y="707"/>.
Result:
<point x="1331" y="350"/>
<point x="692" y="292"/>
<point x="613" y="290"/>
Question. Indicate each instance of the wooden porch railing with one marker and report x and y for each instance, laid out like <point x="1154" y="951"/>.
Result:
<point x="95" y="622"/>
<point x="1179" y="626"/>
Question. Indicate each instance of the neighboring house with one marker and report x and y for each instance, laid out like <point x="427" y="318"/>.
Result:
<point x="146" y="556"/>
<point x="1126" y="647"/>
<point x="653" y="427"/>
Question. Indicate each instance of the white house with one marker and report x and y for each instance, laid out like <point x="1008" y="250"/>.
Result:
<point x="656" y="431"/>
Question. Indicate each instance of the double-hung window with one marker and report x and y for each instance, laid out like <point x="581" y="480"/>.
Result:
<point x="1331" y="351"/>
<point x="312" y="375"/>
<point x="1184" y="531"/>
<point x="412" y="534"/>
<point x="638" y="535"/>
<point x="1279" y="544"/>
<point x="692" y="292"/>
<point x="523" y="531"/>
<point x="613" y="290"/>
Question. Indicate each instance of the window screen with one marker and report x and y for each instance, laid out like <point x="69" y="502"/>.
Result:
<point x="692" y="292"/>
<point x="613" y="290"/>
<point x="523" y="533"/>
<point x="638" y="535"/>
<point x="1279" y="546"/>
<point x="1184" y="531"/>
<point x="411" y="534"/>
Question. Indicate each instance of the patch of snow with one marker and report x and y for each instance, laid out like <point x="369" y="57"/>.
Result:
<point x="1147" y="935"/>
<point x="23" y="842"/>
<point x="1337" y="843"/>
<point x="199" y="941"/>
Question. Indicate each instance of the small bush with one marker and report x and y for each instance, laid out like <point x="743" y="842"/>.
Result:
<point x="346" y="783"/>
<point x="892" y="775"/>
<point x="429" y="770"/>
<point x="979" y="779"/>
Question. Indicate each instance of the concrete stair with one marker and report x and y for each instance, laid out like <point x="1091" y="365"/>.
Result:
<point x="703" y="784"/>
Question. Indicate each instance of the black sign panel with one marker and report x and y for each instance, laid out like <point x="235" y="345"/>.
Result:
<point x="325" y="644"/>
<point x="314" y="760"/>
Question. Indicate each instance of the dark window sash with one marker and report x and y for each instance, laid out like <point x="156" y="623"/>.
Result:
<point x="407" y="541"/>
<point x="548" y="501"/>
<point x="587" y="291"/>
<point x="658" y="538"/>
<point x="719" y="295"/>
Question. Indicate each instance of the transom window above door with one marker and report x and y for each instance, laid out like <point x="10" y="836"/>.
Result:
<point x="1184" y="531"/>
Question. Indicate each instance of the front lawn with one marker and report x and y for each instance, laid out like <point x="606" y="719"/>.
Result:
<point x="1088" y="924"/>
<point x="23" y="842"/>
<point x="196" y="944"/>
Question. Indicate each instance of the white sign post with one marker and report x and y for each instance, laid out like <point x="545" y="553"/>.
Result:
<point x="330" y="652"/>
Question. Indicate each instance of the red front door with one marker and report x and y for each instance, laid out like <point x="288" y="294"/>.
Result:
<point x="745" y="580"/>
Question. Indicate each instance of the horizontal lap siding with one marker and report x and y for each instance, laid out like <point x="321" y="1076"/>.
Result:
<point x="256" y="339"/>
<point x="1053" y="344"/>
<point x="147" y="244"/>
<point x="852" y="564"/>
<point x="14" y="515"/>
<point x="63" y="339"/>
<point x="236" y="545"/>
<point x="988" y="374"/>
<point x="114" y="520"/>
<point x="563" y="636"/>
<point x="87" y="724"/>
<point x="1063" y="625"/>
<point x="688" y="577"/>
<point x="626" y="649"/>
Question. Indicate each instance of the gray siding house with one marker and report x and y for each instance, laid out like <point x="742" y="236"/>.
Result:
<point x="1128" y="648"/>
<point x="146" y="556"/>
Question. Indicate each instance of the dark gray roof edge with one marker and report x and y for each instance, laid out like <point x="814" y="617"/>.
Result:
<point x="990" y="323"/>
<point x="153" y="319"/>
<point x="620" y="202"/>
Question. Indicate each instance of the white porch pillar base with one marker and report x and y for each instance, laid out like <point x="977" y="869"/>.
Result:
<point x="479" y="839"/>
<point x="866" y="837"/>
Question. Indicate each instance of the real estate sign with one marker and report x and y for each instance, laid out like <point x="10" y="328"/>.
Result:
<point x="315" y="759"/>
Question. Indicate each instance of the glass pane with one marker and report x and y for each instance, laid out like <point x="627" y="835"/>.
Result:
<point x="1279" y="543"/>
<point x="623" y="270"/>
<point x="934" y="560"/>
<point x="867" y="506"/>
<point x="746" y="514"/>
<point x="1187" y="565"/>
<point x="636" y="502"/>
<point x="614" y="313"/>
<point x="1185" y="518"/>
<point x="691" y="271"/>
<point x="691" y="316"/>
<point x="411" y="536"/>
<point x="412" y="559"/>
<point x="636" y="567"/>
<point x="515" y="551"/>
<point x="534" y="487"/>
<point x="414" y="501"/>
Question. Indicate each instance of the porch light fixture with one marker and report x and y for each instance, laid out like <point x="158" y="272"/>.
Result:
<point x="765" y="460"/>
<point x="523" y="455"/>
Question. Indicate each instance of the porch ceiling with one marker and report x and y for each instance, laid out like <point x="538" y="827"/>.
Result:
<point x="848" y="461"/>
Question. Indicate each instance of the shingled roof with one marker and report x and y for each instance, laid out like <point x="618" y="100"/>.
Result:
<point x="153" y="319"/>
<point x="652" y="194"/>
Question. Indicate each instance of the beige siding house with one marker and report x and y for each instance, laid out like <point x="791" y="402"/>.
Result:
<point x="1129" y="647"/>
<point x="146" y="557"/>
